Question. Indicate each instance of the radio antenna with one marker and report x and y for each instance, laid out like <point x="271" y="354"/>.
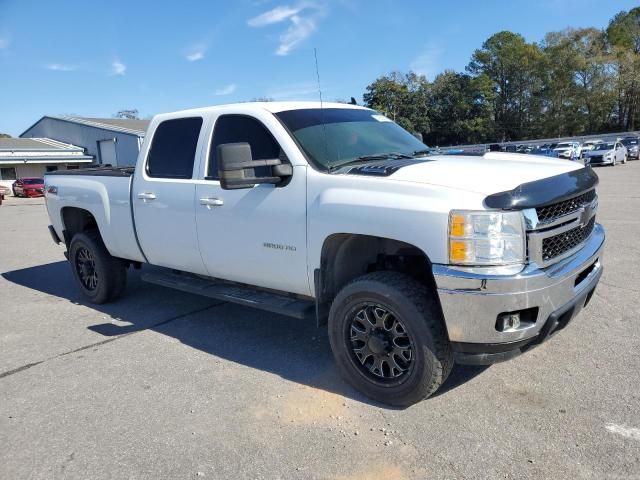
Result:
<point x="324" y="127"/>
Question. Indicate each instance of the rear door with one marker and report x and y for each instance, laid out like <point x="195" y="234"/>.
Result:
<point x="254" y="235"/>
<point x="163" y="195"/>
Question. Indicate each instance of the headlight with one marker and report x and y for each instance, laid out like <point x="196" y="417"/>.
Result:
<point x="486" y="238"/>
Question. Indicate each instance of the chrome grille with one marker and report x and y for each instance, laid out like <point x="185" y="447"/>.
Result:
<point x="556" y="231"/>
<point x="550" y="213"/>
<point x="557" y="245"/>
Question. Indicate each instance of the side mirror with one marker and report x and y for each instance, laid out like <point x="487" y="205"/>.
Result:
<point x="236" y="167"/>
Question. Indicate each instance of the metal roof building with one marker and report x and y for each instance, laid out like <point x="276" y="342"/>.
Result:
<point x="31" y="157"/>
<point x="113" y="141"/>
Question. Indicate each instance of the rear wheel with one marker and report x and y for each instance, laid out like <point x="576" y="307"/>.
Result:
<point x="388" y="338"/>
<point x="100" y="276"/>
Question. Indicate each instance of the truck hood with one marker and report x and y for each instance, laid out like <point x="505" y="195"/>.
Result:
<point x="492" y="173"/>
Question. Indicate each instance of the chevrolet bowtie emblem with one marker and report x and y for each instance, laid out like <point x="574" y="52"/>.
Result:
<point x="586" y="213"/>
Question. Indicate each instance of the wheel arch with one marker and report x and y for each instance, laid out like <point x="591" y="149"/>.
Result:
<point x="77" y="220"/>
<point x="346" y="256"/>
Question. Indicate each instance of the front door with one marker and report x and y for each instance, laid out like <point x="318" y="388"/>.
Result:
<point x="163" y="196"/>
<point x="255" y="235"/>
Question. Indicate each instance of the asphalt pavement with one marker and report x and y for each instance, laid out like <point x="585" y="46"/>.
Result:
<point x="163" y="384"/>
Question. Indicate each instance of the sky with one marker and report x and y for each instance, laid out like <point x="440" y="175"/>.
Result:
<point x="94" y="58"/>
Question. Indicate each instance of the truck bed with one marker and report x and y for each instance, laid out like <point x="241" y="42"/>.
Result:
<point x="97" y="172"/>
<point x="105" y="193"/>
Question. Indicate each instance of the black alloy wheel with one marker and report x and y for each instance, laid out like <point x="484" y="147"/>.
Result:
<point x="380" y="342"/>
<point x="86" y="267"/>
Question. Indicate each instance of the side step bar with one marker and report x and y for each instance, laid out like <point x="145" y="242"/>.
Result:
<point x="234" y="293"/>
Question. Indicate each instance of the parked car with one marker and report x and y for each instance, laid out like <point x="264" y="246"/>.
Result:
<point x="29" y="187"/>
<point x="590" y="145"/>
<point x="569" y="150"/>
<point x="544" y="151"/>
<point x="632" y="146"/>
<point x="335" y="213"/>
<point x="610" y="153"/>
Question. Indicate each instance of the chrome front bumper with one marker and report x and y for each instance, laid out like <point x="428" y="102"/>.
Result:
<point x="471" y="301"/>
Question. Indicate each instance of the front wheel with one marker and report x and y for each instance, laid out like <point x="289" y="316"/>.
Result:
<point x="388" y="338"/>
<point x="100" y="276"/>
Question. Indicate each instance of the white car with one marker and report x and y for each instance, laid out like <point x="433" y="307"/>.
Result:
<point x="610" y="153"/>
<point x="335" y="213"/>
<point x="590" y="145"/>
<point x="569" y="150"/>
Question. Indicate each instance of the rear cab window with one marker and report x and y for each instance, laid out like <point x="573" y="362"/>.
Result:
<point x="173" y="148"/>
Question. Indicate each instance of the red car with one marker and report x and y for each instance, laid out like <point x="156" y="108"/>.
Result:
<point x="29" y="187"/>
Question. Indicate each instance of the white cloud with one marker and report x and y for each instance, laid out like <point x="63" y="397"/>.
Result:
<point x="300" y="28"/>
<point x="118" y="68"/>
<point x="61" y="67"/>
<point x="275" y="15"/>
<point x="302" y="18"/>
<point x="196" y="53"/>
<point x="226" y="90"/>
<point x="427" y="63"/>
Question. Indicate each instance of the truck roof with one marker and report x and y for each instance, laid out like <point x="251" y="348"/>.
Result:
<point x="273" y="107"/>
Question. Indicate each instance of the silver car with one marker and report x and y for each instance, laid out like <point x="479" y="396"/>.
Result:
<point x="610" y="153"/>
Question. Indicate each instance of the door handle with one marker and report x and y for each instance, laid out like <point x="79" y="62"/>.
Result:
<point x="211" y="202"/>
<point x="147" y="196"/>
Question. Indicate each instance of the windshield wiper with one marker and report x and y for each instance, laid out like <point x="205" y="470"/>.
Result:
<point x="368" y="158"/>
<point x="425" y="151"/>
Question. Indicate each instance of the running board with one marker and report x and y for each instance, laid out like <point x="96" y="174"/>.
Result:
<point x="234" y="293"/>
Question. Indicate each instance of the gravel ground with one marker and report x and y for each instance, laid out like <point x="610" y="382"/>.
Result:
<point x="163" y="384"/>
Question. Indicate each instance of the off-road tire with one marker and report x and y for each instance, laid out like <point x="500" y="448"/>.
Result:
<point x="419" y="310"/>
<point x="111" y="271"/>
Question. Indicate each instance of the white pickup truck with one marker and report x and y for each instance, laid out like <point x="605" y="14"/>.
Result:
<point x="334" y="212"/>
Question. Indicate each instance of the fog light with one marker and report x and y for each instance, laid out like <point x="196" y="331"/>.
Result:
<point x="509" y="322"/>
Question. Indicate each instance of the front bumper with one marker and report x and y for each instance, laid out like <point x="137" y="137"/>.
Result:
<point x="599" y="161"/>
<point x="471" y="302"/>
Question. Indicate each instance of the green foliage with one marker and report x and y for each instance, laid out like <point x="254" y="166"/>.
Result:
<point x="401" y="97"/>
<point x="576" y="81"/>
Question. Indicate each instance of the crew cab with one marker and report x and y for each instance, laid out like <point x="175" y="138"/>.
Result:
<point x="335" y="213"/>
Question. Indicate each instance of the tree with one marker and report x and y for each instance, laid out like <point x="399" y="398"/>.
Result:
<point x="132" y="114"/>
<point x="5" y="135"/>
<point x="512" y="65"/>
<point x="459" y="110"/>
<point x="623" y="35"/>
<point x="401" y="97"/>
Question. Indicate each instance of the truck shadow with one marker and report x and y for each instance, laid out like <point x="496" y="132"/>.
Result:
<point x="294" y="350"/>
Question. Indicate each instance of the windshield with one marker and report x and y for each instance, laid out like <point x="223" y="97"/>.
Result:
<point x="604" y="146"/>
<point x="629" y="141"/>
<point x="332" y="136"/>
<point x="564" y="145"/>
<point x="33" y="181"/>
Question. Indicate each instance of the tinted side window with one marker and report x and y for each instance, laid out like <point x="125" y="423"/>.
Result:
<point x="173" y="148"/>
<point x="240" y="128"/>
